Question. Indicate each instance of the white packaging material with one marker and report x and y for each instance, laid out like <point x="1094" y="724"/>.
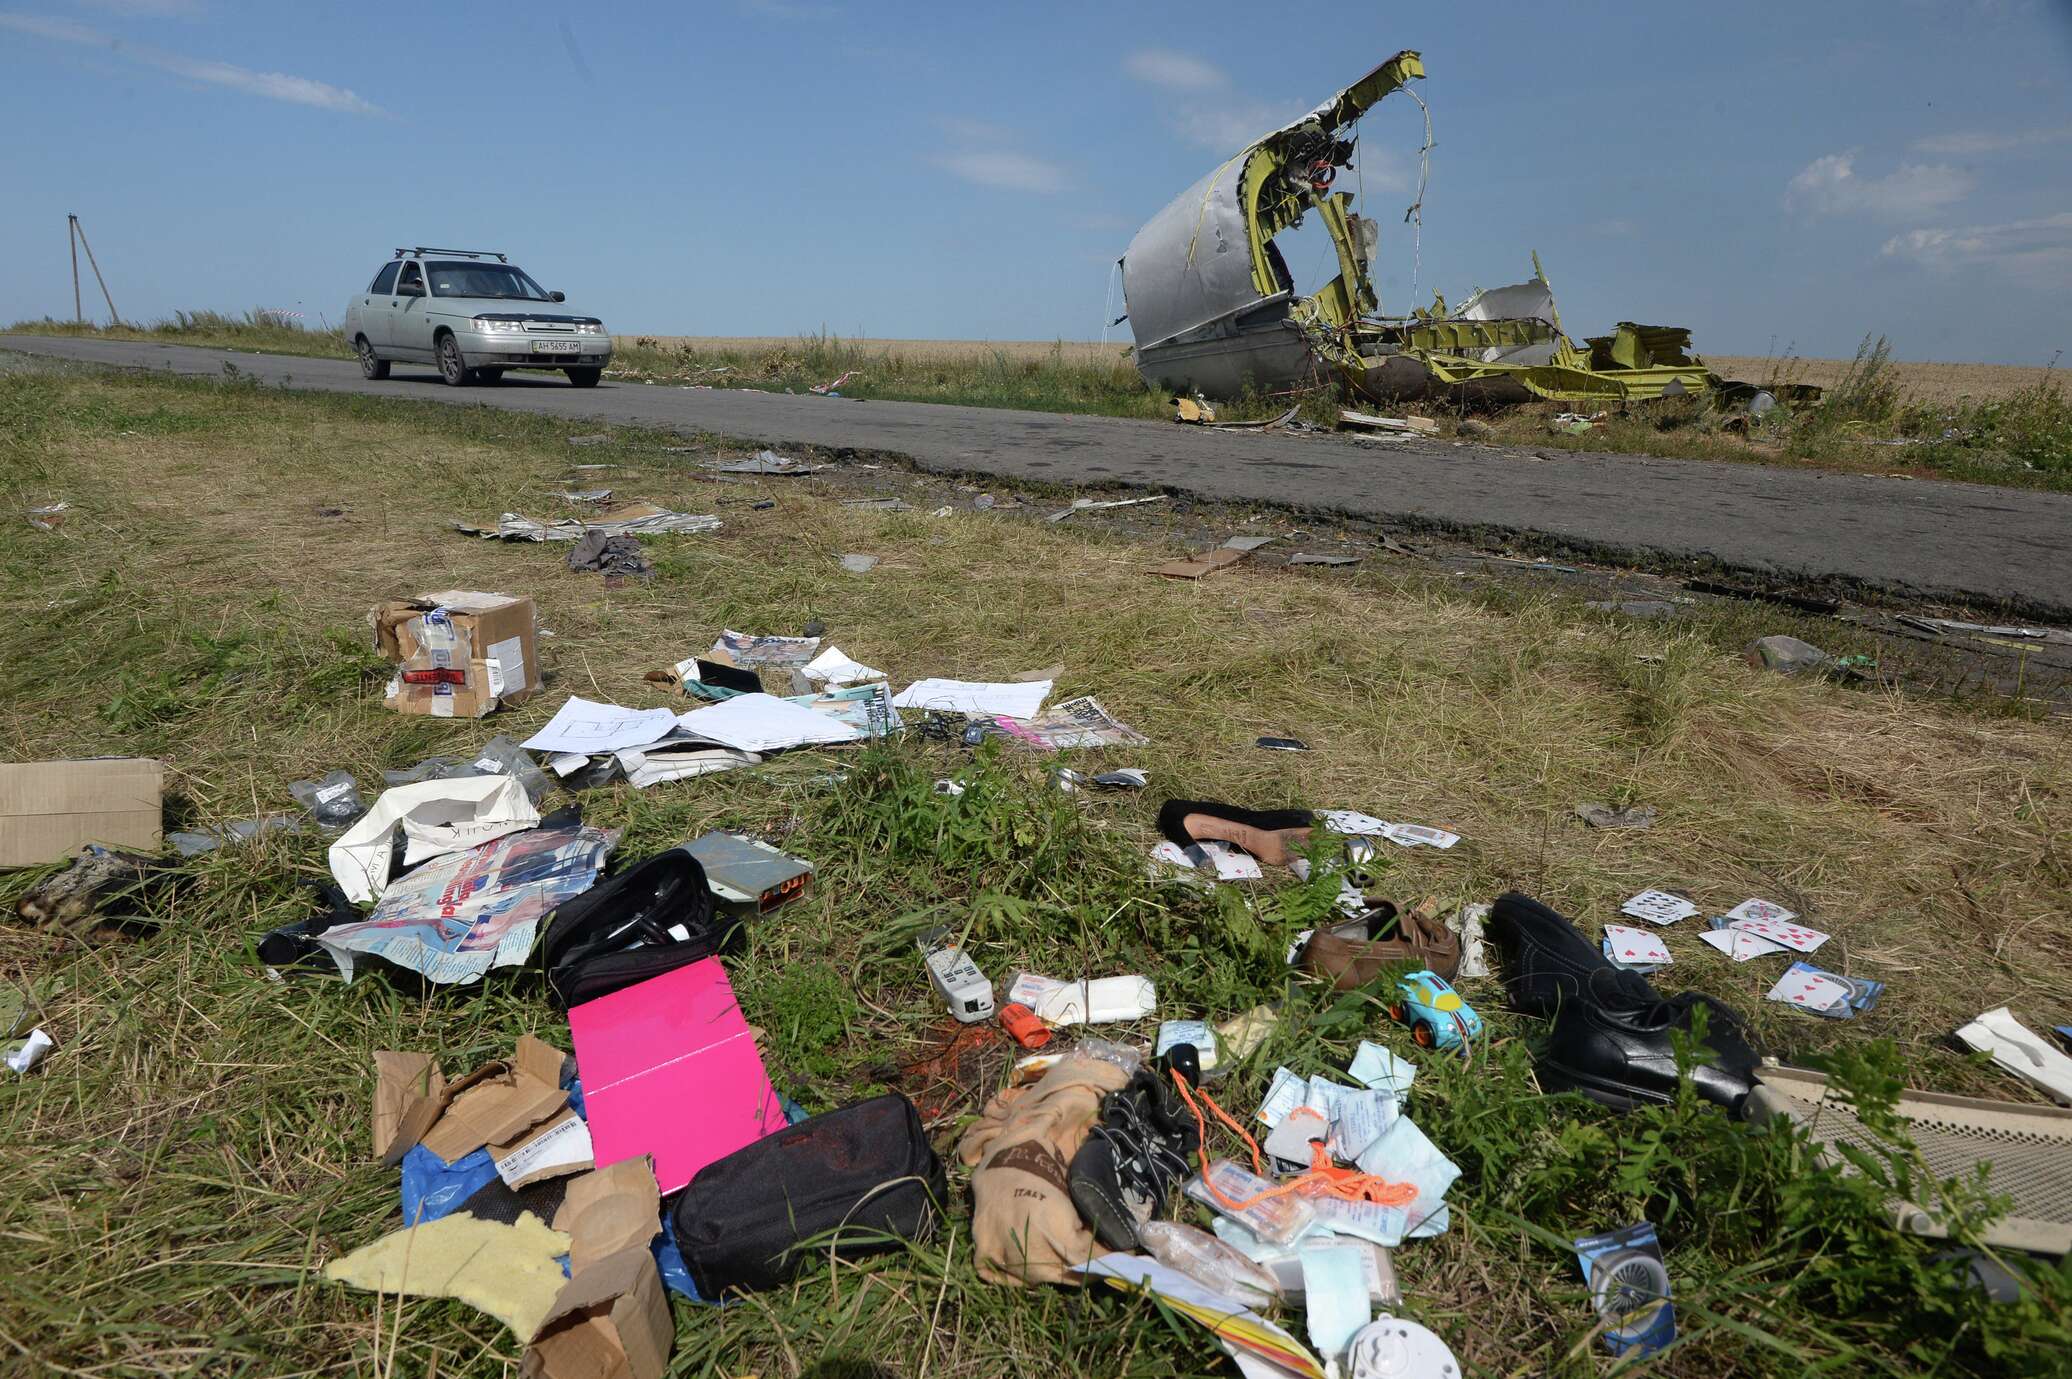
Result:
<point x="2016" y="1048"/>
<point x="1098" y="1002"/>
<point x="436" y="816"/>
<point x="1274" y="1220"/>
<point x="31" y="1052"/>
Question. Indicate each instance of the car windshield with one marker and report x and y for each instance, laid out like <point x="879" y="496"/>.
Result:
<point x="461" y="279"/>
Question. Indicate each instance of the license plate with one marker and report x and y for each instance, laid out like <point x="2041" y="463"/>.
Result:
<point x="555" y="346"/>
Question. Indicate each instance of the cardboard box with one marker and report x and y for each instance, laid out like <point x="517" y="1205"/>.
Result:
<point x="458" y="654"/>
<point x="497" y="1104"/>
<point x="48" y="809"/>
<point x="611" y="1317"/>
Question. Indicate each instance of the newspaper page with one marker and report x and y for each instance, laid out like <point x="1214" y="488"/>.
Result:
<point x="459" y="915"/>
<point x="866" y="708"/>
<point x="1080" y="722"/>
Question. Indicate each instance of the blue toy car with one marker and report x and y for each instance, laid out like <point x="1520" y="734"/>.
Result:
<point x="1437" y="1016"/>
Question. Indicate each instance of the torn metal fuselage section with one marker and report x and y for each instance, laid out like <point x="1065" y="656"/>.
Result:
<point x="1214" y="309"/>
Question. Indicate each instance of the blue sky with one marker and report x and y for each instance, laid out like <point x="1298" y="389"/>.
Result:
<point x="1775" y="177"/>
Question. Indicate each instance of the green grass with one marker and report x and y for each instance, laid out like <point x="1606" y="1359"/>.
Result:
<point x="197" y="1146"/>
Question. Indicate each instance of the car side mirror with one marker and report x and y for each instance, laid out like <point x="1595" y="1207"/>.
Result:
<point x="557" y="296"/>
<point x="409" y="290"/>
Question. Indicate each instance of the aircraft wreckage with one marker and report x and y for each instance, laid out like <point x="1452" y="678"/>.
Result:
<point x="1215" y="311"/>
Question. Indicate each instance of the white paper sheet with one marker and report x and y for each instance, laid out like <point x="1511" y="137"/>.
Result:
<point x="566" y="1146"/>
<point x="582" y="725"/>
<point x="833" y="669"/>
<point x="1358" y="1120"/>
<point x="1375" y="1067"/>
<point x="1285" y="1094"/>
<point x="1334" y="1294"/>
<point x="764" y="723"/>
<point x="2016" y="1048"/>
<point x="975" y="697"/>
<point x="436" y="816"/>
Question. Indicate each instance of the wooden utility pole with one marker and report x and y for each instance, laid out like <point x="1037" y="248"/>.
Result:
<point x="73" y="225"/>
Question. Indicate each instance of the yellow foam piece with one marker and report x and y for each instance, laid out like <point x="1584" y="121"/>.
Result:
<point x="508" y="1271"/>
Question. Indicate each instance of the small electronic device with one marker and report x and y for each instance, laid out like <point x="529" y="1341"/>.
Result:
<point x="747" y="877"/>
<point x="1028" y="1030"/>
<point x="957" y="978"/>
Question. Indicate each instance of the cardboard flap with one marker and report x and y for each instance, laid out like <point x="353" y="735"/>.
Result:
<point x="609" y="1211"/>
<point x="611" y="1319"/>
<point x="409" y="1091"/>
<point x="493" y="1106"/>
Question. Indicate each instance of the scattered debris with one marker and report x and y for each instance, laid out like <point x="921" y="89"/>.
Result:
<point x="333" y="800"/>
<point x="752" y="652"/>
<point x="49" y="517"/>
<point x="50" y="809"/>
<point x="196" y="842"/>
<point x="1206" y="563"/>
<point x="1409" y="426"/>
<point x="1786" y="655"/>
<point x="880" y="504"/>
<point x="828" y="389"/>
<point x="1604" y="816"/>
<point x="1306" y="558"/>
<point x="609" y="555"/>
<point x="458" y="653"/>
<point x="859" y="564"/>
<point x="1943" y="625"/>
<point x="1629" y="1287"/>
<point x="2011" y="1045"/>
<point x="509" y="1271"/>
<point x="24" y="1054"/>
<point x="1090" y="505"/>
<point x="627" y="519"/>
<point x="591" y="496"/>
<point x="1476" y="427"/>
<point x="766" y="462"/>
<point x="1196" y="410"/>
<point x="1283" y="744"/>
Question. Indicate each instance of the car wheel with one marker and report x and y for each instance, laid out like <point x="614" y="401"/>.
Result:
<point x="585" y="378"/>
<point x="452" y="367"/>
<point x="489" y="375"/>
<point x="370" y="366"/>
<point x="1423" y="1035"/>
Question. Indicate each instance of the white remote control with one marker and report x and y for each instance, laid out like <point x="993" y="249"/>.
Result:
<point x="957" y="978"/>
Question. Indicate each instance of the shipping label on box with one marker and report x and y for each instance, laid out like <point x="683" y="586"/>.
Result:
<point x="458" y="653"/>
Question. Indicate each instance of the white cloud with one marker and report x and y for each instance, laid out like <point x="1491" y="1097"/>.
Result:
<point x="1014" y="172"/>
<point x="1830" y="186"/>
<point x="2038" y="248"/>
<point x="1974" y="143"/>
<point x="277" y="86"/>
<point x="1174" y="71"/>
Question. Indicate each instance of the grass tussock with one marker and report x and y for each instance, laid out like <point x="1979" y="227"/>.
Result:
<point x="196" y="1148"/>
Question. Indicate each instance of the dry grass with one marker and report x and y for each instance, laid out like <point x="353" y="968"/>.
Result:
<point x="1087" y="353"/>
<point x="1919" y="380"/>
<point x="196" y="1146"/>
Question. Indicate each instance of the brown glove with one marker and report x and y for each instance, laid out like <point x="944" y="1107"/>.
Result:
<point x="1023" y="1223"/>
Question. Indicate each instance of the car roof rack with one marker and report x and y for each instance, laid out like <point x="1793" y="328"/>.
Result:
<point x="423" y="249"/>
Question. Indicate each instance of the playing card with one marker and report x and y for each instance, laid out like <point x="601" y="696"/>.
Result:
<point x="1761" y="909"/>
<point x="1634" y="946"/>
<point x="1739" y="944"/>
<point x="1354" y="824"/>
<point x="1809" y="989"/>
<point x="1419" y="835"/>
<point x="1780" y="931"/>
<point x="1659" y="907"/>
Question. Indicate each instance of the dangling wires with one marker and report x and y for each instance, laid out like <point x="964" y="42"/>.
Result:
<point x="1414" y="216"/>
<point x="1324" y="1178"/>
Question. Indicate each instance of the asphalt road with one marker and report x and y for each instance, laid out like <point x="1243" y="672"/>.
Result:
<point x="1916" y="539"/>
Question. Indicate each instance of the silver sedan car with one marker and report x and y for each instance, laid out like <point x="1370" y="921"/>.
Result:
<point x="474" y="314"/>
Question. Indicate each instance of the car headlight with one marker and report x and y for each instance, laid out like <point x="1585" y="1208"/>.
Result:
<point x="589" y="328"/>
<point x="490" y="325"/>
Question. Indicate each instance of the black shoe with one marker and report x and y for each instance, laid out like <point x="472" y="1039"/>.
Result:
<point x="1142" y="1146"/>
<point x="1547" y="964"/>
<point x="1617" y="1050"/>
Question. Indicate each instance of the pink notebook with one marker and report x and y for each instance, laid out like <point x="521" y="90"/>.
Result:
<point x="670" y="1069"/>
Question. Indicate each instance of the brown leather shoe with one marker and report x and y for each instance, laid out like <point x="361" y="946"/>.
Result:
<point x="1349" y="956"/>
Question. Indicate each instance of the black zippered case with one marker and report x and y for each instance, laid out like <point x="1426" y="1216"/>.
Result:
<point x="619" y="931"/>
<point x="866" y="1171"/>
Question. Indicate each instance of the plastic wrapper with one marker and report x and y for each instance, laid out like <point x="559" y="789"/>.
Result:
<point x="332" y="800"/>
<point x="1209" y="1262"/>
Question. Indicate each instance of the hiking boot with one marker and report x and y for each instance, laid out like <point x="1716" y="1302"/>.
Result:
<point x="1353" y="953"/>
<point x="1547" y="963"/>
<point x="1142" y="1146"/>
